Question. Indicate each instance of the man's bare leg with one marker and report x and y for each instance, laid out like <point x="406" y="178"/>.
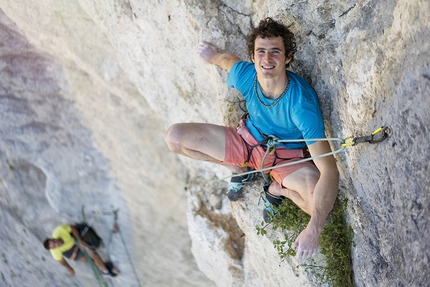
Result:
<point x="96" y="259"/>
<point x="276" y="189"/>
<point x="299" y="187"/>
<point x="199" y="141"/>
<point x="320" y="198"/>
<point x="315" y="194"/>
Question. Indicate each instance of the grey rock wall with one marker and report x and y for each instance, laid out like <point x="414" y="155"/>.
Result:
<point x="87" y="89"/>
<point x="68" y="140"/>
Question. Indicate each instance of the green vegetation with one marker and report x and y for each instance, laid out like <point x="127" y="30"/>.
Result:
<point x="235" y="109"/>
<point x="335" y="242"/>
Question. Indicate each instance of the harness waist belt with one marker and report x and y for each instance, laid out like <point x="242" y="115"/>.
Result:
<point x="281" y="152"/>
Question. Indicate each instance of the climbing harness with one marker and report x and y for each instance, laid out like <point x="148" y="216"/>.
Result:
<point x="379" y="135"/>
<point x="273" y="141"/>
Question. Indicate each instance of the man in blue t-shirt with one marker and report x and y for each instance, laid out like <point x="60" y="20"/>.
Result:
<point x="281" y="104"/>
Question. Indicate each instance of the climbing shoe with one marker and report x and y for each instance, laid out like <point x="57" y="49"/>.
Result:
<point x="110" y="273"/>
<point x="271" y="203"/>
<point x="235" y="188"/>
<point x="110" y="269"/>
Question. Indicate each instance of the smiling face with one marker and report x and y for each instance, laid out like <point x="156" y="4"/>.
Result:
<point x="269" y="57"/>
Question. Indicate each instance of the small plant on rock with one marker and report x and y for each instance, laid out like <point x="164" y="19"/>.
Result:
<point x="335" y="241"/>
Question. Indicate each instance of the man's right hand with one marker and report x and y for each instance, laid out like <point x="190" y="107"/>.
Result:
<point x="207" y="52"/>
<point x="71" y="271"/>
<point x="211" y="55"/>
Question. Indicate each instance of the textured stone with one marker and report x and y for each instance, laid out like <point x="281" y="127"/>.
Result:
<point x="87" y="89"/>
<point x="85" y="142"/>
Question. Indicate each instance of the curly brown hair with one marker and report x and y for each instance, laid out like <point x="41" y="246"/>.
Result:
<point x="270" y="28"/>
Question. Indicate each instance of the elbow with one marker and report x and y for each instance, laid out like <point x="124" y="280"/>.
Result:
<point x="336" y="173"/>
<point x="330" y="170"/>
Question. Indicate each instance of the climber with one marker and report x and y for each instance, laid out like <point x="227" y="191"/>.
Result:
<point x="63" y="244"/>
<point x="279" y="103"/>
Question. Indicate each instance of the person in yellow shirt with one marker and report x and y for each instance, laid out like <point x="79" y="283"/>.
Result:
<point x="63" y="244"/>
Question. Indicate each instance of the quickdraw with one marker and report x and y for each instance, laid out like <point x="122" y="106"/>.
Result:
<point x="379" y="135"/>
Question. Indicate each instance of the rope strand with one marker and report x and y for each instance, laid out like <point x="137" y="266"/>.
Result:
<point x="273" y="142"/>
<point x="129" y="258"/>
<point x="95" y="269"/>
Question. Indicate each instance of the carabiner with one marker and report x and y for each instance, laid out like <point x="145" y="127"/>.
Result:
<point x="380" y="134"/>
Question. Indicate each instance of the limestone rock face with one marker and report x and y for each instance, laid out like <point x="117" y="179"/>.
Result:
<point x="88" y="88"/>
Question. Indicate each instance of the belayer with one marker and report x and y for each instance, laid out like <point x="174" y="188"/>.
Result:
<point x="280" y="103"/>
<point x="67" y="242"/>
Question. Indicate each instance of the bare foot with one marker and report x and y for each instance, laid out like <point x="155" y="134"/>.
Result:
<point x="306" y="244"/>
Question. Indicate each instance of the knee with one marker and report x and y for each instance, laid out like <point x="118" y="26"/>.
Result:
<point x="311" y="181"/>
<point x="308" y="179"/>
<point x="275" y="188"/>
<point x="173" y="137"/>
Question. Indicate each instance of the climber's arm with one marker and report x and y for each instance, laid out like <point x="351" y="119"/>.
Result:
<point x="211" y="55"/>
<point x="78" y="237"/>
<point x="68" y="267"/>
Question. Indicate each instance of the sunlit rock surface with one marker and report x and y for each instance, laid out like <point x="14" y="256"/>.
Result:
<point x="88" y="88"/>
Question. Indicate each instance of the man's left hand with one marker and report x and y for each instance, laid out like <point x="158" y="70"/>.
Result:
<point x="306" y="244"/>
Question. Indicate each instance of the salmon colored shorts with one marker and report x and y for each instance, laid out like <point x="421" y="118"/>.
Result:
<point x="238" y="142"/>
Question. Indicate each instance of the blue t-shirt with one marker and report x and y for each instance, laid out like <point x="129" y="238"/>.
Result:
<point x="296" y="116"/>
